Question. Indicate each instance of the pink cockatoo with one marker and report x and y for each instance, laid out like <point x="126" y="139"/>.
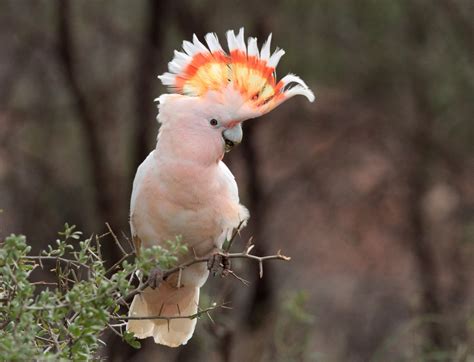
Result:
<point x="183" y="187"/>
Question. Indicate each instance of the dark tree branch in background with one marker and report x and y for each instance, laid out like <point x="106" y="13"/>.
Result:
<point x="189" y="21"/>
<point x="154" y="32"/>
<point x="418" y="178"/>
<point x="262" y="290"/>
<point x="9" y="82"/>
<point x="89" y="123"/>
<point x="263" y="293"/>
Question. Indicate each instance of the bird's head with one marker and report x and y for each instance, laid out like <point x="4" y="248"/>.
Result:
<point x="213" y="92"/>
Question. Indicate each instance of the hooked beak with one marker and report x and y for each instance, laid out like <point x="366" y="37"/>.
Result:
<point x="232" y="137"/>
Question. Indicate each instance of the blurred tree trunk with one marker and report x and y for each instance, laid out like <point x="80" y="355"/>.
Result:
<point x="263" y="293"/>
<point x="421" y="245"/>
<point x="155" y="14"/>
<point x="100" y="170"/>
<point x="418" y="178"/>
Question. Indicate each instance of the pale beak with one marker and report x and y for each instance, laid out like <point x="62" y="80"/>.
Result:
<point x="232" y="137"/>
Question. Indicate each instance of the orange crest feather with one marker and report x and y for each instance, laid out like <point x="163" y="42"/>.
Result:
<point x="199" y="69"/>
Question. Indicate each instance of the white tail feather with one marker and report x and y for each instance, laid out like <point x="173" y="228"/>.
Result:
<point x="165" y="301"/>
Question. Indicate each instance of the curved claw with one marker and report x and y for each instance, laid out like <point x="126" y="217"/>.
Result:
<point x="219" y="264"/>
<point x="155" y="278"/>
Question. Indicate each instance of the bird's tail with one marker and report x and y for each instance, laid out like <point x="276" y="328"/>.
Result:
<point x="166" y="301"/>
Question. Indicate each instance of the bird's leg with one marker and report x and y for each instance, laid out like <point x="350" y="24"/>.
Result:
<point x="155" y="277"/>
<point x="219" y="263"/>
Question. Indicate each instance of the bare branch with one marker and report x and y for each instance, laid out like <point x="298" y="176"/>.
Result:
<point x="197" y="259"/>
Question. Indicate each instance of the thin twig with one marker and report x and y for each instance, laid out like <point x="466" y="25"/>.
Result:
<point x="40" y="258"/>
<point x="118" y="263"/>
<point x="180" y="274"/>
<point x="234" y="234"/>
<point x="130" y="244"/>
<point x="55" y="339"/>
<point x="114" y="330"/>
<point x="44" y="283"/>
<point x="242" y="280"/>
<point x="116" y="239"/>
<point x="98" y="247"/>
<point x="260" y="259"/>
<point x="44" y="339"/>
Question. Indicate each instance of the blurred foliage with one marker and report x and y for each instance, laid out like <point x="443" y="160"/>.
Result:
<point x="293" y="329"/>
<point x="413" y="330"/>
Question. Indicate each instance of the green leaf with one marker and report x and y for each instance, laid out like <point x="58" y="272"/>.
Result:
<point x="131" y="340"/>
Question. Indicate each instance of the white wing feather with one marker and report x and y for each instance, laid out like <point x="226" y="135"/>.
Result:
<point x="230" y="179"/>
<point x="137" y="181"/>
<point x="234" y="192"/>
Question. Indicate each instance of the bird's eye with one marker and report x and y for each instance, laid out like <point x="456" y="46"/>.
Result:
<point x="213" y="122"/>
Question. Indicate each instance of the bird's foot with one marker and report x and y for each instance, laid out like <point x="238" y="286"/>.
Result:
<point x="219" y="264"/>
<point x="155" y="277"/>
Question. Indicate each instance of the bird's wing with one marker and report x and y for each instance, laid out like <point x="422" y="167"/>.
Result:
<point x="230" y="181"/>
<point x="137" y="182"/>
<point x="243" y="213"/>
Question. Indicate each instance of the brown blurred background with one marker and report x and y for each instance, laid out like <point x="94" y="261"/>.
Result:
<point x="369" y="189"/>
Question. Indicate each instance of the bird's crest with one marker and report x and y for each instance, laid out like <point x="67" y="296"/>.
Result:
<point x="199" y="69"/>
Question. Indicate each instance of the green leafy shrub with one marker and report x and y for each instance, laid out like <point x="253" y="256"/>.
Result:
<point x="64" y="319"/>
